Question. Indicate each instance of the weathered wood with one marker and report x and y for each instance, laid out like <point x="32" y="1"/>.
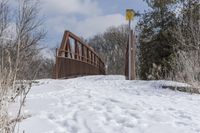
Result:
<point x="133" y="58"/>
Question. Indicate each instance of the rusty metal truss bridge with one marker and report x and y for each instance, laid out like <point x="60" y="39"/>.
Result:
<point x="75" y="58"/>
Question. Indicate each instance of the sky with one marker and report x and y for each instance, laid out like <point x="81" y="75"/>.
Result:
<point x="85" y="18"/>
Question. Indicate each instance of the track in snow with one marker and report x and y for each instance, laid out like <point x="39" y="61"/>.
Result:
<point x="110" y="104"/>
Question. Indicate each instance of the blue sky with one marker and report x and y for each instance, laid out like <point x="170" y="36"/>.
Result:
<point x="84" y="17"/>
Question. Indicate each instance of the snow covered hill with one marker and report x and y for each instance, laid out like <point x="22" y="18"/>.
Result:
<point x="110" y="104"/>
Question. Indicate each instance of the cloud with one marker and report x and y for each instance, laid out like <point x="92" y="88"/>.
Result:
<point x="85" y="28"/>
<point x="83" y="17"/>
<point x="82" y="7"/>
<point x="98" y="24"/>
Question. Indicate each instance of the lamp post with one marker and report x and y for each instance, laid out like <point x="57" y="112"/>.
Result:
<point x="130" y="13"/>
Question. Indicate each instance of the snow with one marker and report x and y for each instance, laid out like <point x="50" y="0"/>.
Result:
<point x="110" y="104"/>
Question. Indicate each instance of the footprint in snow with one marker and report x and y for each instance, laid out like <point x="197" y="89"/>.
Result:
<point x="51" y="116"/>
<point x="180" y="123"/>
<point x="127" y="122"/>
<point x="182" y="115"/>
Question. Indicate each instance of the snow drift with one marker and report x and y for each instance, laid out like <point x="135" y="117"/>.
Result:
<point x="110" y="104"/>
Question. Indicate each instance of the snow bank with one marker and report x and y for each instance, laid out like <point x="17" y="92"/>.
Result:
<point x="110" y="104"/>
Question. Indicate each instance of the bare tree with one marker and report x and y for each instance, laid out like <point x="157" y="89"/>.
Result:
<point x="187" y="51"/>
<point x="16" y="56"/>
<point x="29" y="33"/>
<point x="3" y="26"/>
<point x="111" y="45"/>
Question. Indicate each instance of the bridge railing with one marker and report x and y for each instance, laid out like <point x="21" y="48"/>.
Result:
<point x="76" y="58"/>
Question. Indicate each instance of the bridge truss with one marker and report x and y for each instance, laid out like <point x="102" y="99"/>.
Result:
<point x="76" y="58"/>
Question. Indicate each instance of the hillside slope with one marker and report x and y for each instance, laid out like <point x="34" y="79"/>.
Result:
<point x="110" y="104"/>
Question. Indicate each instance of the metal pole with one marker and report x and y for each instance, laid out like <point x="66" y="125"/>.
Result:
<point x="129" y="52"/>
